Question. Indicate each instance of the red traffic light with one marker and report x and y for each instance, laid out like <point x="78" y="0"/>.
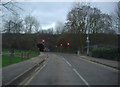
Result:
<point x="61" y="45"/>
<point x="68" y="44"/>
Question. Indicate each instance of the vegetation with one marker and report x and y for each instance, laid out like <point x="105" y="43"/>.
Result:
<point x="82" y="20"/>
<point x="6" y="60"/>
<point x="107" y="53"/>
<point x="21" y="51"/>
<point x="12" y="59"/>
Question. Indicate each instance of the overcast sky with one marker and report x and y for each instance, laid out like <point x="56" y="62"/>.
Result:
<point x="48" y="13"/>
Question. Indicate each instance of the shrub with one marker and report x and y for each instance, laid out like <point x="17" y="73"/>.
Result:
<point x="106" y="53"/>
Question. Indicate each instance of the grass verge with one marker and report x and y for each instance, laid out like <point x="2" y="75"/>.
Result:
<point x="21" y="51"/>
<point x="8" y="60"/>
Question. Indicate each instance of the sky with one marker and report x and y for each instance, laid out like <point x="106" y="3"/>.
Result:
<point x="49" y="13"/>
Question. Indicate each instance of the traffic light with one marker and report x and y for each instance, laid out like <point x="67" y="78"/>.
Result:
<point x="61" y="45"/>
<point x="68" y="44"/>
<point x="43" y="41"/>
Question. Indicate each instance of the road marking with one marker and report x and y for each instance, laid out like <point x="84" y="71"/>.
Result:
<point x="63" y="58"/>
<point x="18" y="76"/>
<point x="110" y="68"/>
<point x="35" y="74"/>
<point x="68" y="63"/>
<point x="86" y="83"/>
<point x="37" y="68"/>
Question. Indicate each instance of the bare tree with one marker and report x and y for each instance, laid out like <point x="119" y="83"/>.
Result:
<point x="50" y="31"/>
<point x="13" y="25"/>
<point x="84" y="18"/>
<point x="11" y="6"/>
<point x="59" y="27"/>
<point x="31" y="24"/>
<point x="116" y="18"/>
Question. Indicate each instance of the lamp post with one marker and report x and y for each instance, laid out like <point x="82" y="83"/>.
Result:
<point x="88" y="41"/>
<point x="79" y="11"/>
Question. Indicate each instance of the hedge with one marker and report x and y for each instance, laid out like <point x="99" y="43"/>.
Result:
<point x="106" y="53"/>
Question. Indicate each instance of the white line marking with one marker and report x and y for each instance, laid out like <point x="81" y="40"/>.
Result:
<point x="68" y="63"/>
<point x="37" y="69"/>
<point x="86" y="83"/>
<point x="63" y="58"/>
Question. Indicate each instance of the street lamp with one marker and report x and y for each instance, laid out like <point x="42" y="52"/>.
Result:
<point x="88" y="41"/>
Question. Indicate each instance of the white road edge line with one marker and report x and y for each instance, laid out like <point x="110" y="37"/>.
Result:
<point x="86" y="83"/>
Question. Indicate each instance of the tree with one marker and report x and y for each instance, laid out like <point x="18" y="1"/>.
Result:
<point x="84" y="20"/>
<point x="59" y="27"/>
<point x="31" y="24"/>
<point x="13" y="25"/>
<point x="10" y="6"/>
<point x="10" y="16"/>
<point x="50" y="31"/>
<point x="116" y="18"/>
<point x="118" y="14"/>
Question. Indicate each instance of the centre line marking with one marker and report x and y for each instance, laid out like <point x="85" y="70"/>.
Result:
<point x="86" y="83"/>
<point x="68" y="63"/>
<point x="63" y="58"/>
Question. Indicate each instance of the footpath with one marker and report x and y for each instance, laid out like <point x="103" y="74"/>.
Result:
<point x="110" y="63"/>
<point x="11" y="72"/>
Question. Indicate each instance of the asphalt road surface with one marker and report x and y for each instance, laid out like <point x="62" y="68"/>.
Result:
<point x="64" y="69"/>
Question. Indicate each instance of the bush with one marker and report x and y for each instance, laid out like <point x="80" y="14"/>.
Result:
<point x="106" y="53"/>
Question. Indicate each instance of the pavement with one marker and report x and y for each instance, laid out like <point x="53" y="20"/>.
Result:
<point x="111" y="63"/>
<point x="68" y="69"/>
<point x="12" y="71"/>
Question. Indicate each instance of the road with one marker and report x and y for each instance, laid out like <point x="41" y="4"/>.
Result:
<point x="64" y="69"/>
